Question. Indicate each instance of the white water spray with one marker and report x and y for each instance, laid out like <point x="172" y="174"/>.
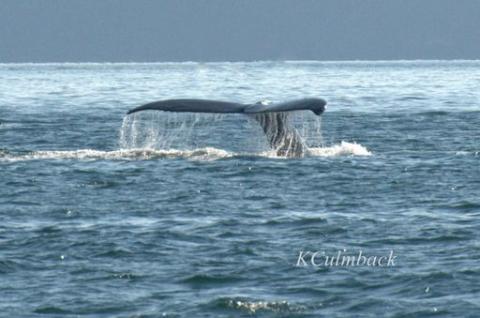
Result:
<point x="164" y="130"/>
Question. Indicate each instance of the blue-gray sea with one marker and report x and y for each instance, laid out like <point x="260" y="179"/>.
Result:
<point x="103" y="215"/>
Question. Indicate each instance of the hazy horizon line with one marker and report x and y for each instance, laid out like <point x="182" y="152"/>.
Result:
<point x="241" y="61"/>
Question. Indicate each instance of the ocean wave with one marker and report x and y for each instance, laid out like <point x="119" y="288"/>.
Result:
<point x="207" y="153"/>
<point x="206" y="279"/>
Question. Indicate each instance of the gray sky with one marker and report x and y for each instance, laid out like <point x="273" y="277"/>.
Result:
<point x="237" y="30"/>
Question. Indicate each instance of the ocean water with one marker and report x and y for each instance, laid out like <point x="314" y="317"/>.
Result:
<point x="103" y="215"/>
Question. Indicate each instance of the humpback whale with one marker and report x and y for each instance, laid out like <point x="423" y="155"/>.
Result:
<point x="272" y="117"/>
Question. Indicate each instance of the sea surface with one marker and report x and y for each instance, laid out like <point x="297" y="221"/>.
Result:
<point x="168" y="215"/>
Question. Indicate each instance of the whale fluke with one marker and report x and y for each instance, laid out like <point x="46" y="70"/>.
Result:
<point x="192" y="105"/>
<point x="272" y="117"/>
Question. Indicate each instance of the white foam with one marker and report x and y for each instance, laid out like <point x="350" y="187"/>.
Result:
<point x="339" y="150"/>
<point x="467" y="153"/>
<point x="343" y="149"/>
<point x="273" y="306"/>
<point x="121" y="154"/>
<point x="207" y="153"/>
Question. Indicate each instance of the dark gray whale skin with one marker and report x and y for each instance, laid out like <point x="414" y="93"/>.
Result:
<point x="273" y="118"/>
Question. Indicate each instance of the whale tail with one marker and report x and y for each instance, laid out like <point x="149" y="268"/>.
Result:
<point x="273" y="118"/>
<point x="281" y="135"/>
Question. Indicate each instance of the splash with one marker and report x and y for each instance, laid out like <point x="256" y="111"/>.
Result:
<point x="253" y="307"/>
<point x="343" y="149"/>
<point x="290" y="134"/>
<point x="239" y="134"/>
<point x="200" y="154"/>
<point x="159" y="130"/>
<point x="310" y="128"/>
<point x="154" y="135"/>
<point x="123" y="154"/>
<point x="235" y="132"/>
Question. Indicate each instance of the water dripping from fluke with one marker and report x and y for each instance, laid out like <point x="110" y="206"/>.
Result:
<point x="273" y="134"/>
